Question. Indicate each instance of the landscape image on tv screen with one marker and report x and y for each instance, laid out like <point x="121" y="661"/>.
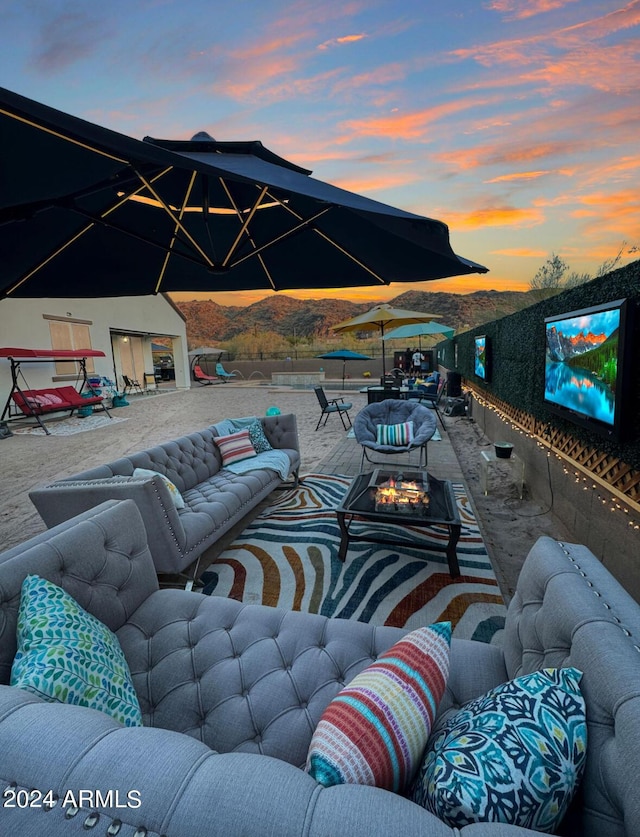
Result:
<point x="581" y="363"/>
<point x="480" y="357"/>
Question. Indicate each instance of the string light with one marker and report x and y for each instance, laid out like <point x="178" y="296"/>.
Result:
<point x="545" y="444"/>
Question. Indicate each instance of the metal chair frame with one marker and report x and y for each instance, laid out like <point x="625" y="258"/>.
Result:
<point x="131" y="383"/>
<point x="333" y="405"/>
<point x="433" y="399"/>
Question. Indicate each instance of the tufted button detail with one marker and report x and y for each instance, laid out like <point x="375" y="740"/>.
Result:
<point x="92" y="820"/>
<point x="71" y="812"/>
<point x="114" y="828"/>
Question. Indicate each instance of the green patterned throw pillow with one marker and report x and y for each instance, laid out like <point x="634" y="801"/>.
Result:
<point x="66" y="655"/>
<point x="515" y="755"/>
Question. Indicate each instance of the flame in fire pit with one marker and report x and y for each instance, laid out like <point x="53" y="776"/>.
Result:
<point x="401" y="496"/>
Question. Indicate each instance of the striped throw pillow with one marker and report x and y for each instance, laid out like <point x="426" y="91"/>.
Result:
<point x="395" y="434"/>
<point x="375" y="730"/>
<point x="235" y="447"/>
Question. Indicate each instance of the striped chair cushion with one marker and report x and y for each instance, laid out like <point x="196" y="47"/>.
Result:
<point x="375" y="730"/>
<point x="395" y="434"/>
<point x="235" y="447"/>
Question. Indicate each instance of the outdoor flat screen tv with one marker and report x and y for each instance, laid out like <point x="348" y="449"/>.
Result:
<point x="481" y="357"/>
<point x="584" y="365"/>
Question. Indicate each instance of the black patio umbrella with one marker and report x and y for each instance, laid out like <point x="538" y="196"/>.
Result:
<point x="344" y="355"/>
<point x="88" y="212"/>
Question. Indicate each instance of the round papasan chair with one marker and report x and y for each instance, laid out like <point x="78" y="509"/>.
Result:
<point x="391" y="412"/>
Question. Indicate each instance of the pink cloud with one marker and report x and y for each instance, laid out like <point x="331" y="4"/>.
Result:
<point x="536" y="49"/>
<point x="521" y="9"/>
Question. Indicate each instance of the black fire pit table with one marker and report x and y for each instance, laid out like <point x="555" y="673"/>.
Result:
<point x="410" y="508"/>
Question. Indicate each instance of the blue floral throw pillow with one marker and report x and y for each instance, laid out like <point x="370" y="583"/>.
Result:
<point x="66" y="655"/>
<point x="258" y="438"/>
<point x="514" y="755"/>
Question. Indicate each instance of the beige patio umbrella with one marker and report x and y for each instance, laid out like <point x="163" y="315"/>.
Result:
<point x="381" y="316"/>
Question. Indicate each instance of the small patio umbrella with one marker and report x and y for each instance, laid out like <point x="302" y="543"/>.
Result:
<point x="381" y="316"/>
<point x="418" y="330"/>
<point x="205" y="350"/>
<point x="344" y="355"/>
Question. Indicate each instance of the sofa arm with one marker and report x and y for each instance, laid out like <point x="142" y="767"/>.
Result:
<point x="282" y="431"/>
<point x="101" y="558"/>
<point x="165" y="532"/>
<point x="164" y="782"/>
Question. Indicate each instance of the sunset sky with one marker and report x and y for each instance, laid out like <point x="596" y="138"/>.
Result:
<point x="516" y="122"/>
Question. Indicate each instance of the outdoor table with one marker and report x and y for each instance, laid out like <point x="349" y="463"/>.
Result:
<point x="359" y="505"/>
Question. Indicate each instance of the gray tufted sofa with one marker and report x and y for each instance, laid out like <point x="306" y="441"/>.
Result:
<point x="231" y="694"/>
<point x="215" y="498"/>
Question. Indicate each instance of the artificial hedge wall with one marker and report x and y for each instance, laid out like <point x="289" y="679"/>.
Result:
<point x="518" y="357"/>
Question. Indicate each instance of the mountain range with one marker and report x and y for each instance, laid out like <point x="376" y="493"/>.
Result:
<point x="562" y="346"/>
<point x="208" y="322"/>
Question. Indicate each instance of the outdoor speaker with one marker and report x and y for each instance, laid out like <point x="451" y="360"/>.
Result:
<point x="454" y="384"/>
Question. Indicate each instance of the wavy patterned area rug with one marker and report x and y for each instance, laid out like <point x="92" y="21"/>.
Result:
<point x="288" y="557"/>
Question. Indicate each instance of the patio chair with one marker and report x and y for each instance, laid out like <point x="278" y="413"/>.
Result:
<point x="431" y="400"/>
<point x="131" y="384"/>
<point x="334" y="405"/>
<point x="389" y="413"/>
<point x="202" y="378"/>
<point x="222" y="372"/>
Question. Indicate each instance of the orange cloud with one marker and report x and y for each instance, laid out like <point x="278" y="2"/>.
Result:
<point x="377" y="182"/>
<point x="496" y="216"/>
<point x="411" y="125"/>
<point x="510" y="153"/>
<point x="519" y="175"/>
<point x="345" y="39"/>
<point x="611" y="68"/>
<point x="521" y="253"/>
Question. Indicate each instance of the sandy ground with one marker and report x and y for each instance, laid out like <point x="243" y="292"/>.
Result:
<point x="509" y="524"/>
<point x="27" y="461"/>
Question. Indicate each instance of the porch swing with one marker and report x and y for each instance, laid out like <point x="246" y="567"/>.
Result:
<point x="34" y="403"/>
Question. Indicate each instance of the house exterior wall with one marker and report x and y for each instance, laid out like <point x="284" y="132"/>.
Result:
<point x="24" y="323"/>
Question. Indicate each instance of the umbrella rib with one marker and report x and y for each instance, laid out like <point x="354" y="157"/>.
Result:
<point x="51" y="256"/>
<point x="102" y="220"/>
<point x="280" y="237"/>
<point x="169" y="252"/>
<point x="251" y="241"/>
<point x="244" y="226"/>
<point x="76" y="236"/>
<point x="328" y="239"/>
<point x="177" y="220"/>
<point x="64" y="137"/>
